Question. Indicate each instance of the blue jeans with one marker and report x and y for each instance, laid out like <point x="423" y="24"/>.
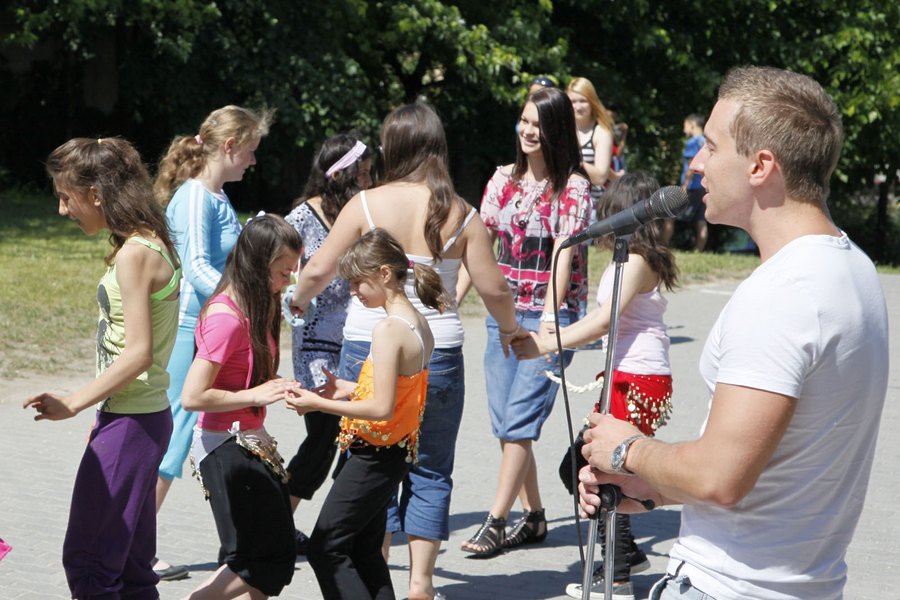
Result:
<point x="520" y="396"/>
<point x="676" y="587"/>
<point x="423" y="506"/>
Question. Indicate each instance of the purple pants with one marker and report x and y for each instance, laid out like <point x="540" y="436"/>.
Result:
<point x="111" y="537"/>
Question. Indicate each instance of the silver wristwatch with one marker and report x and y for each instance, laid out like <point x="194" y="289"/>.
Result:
<point x="617" y="461"/>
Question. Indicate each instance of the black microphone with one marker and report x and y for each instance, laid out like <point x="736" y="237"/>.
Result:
<point x="665" y="202"/>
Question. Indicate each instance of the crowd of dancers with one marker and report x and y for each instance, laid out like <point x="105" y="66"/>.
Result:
<point x="191" y="315"/>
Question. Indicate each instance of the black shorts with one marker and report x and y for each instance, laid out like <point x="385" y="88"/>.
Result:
<point x="696" y="210"/>
<point x="253" y="517"/>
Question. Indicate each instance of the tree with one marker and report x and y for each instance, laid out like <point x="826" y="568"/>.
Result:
<point x="148" y="69"/>
<point x="660" y="61"/>
<point x="325" y="66"/>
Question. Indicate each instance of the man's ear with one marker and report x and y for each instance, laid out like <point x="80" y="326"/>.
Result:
<point x="764" y="166"/>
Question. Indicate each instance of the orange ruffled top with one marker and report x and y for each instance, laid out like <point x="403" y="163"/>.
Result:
<point x="403" y="428"/>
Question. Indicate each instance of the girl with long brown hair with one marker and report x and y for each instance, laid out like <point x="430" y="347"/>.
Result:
<point x="642" y="378"/>
<point x="103" y="185"/>
<point x="232" y="380"/>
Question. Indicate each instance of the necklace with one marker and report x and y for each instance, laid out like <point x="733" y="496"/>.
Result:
<point x="526" y="214"/>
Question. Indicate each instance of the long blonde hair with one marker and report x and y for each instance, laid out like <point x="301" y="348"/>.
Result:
<point x="583" y="86"/>
<point x="187" y="155"/>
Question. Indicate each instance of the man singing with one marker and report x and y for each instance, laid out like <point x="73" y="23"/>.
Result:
<point x="796" y="366"/>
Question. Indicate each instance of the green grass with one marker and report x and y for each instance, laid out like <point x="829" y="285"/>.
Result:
<point x="50" y="270"/>
<point x="48" y="281"/>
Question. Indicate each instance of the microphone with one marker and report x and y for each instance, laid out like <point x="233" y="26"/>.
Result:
<point x="665" y="202"/>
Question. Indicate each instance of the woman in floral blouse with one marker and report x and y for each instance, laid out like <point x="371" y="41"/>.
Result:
<point x="532" y="207"/>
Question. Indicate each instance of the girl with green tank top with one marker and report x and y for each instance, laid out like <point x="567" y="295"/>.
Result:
<point x="110" y="542"/>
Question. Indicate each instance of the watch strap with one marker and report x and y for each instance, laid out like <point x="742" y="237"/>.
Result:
<point x="623" y="450"/>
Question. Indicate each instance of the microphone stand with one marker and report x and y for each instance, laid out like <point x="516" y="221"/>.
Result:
<point x="610" y="495"/>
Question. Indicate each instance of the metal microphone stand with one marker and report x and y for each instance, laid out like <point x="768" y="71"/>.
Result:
<point x="610" y="495"/>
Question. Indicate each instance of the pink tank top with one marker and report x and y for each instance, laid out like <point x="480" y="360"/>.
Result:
<point x="224" y="339"/>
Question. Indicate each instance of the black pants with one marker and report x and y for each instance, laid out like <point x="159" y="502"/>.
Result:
<point x="625" y="546"/>
<point x="345" y="546"/>
<point x="309" y="467"/>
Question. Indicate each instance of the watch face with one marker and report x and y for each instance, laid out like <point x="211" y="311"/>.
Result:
<point x="618" y="458"/>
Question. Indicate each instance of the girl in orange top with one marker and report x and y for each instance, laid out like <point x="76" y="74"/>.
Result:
<point x="380" y="424"/>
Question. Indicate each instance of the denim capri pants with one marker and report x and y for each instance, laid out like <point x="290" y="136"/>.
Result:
<point x="520" y="395"/>
<point x="422" y="508"/>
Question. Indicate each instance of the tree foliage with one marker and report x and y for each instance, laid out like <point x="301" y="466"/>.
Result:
<point x="149" y="69"/>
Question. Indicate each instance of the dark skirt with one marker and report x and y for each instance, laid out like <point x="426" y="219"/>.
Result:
<point x="253" y="517"/>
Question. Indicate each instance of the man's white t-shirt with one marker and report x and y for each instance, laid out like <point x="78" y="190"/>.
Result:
<point x="809" y="323"/>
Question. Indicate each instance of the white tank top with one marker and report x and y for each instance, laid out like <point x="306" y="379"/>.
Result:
<point x="446" y="327"/>
<point x="642" y="342"/>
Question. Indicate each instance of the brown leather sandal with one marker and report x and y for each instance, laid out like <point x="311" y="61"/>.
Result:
<point x="489" y="539"/>
<point x="530" y="528"/>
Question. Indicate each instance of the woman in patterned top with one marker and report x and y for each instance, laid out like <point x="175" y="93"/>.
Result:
<point x="341" y="169"/>
<point x="532" y="207"/>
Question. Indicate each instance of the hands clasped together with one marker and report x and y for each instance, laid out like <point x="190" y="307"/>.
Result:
<point x="305" y="401"/>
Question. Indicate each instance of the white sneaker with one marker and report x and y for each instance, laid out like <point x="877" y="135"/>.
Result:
<point x="622" y="591"/>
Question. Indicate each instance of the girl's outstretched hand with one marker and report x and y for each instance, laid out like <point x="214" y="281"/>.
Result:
<point x="334" y="388"/>
<point x="273" y="391"/>
<point x="50" y="407"/>
<point x="303" y="401"/>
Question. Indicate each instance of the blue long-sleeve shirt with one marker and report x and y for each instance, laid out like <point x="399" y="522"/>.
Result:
<point x="206" y="227"/>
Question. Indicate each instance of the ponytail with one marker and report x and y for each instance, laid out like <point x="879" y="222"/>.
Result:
<point x="430" y="288"/>
<point x="378" y="248"/>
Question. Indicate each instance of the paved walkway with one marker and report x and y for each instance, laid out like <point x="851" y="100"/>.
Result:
<point x="39" y="462"/>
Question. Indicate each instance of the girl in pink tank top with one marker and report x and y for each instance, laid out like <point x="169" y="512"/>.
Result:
<point x="232" y="380"/>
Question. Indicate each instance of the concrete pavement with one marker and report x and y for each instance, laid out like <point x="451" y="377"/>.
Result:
<point x="39" y="462"/>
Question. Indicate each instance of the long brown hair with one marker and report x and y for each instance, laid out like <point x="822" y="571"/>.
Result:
<point x="559" y="142"/>
<point x="261" y="242"/>
<point x="624" y="193"/>
<point x="378" y="248"/>
<point x="114" y="169"/>
<point x="187" y="155"/>
<point x="415" y="150"/>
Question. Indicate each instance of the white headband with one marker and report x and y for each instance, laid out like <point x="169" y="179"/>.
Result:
<point x="348" y="159"/>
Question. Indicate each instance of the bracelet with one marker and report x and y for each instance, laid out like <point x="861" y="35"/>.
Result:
<point x="510" y="333"/>
<point x="548" y="318"/>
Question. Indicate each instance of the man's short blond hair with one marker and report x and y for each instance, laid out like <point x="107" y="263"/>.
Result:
<point x="792" y="116"/>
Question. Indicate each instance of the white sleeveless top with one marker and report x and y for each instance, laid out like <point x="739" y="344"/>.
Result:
<point x="446" y="327"/>
<point x="642" y="341"/>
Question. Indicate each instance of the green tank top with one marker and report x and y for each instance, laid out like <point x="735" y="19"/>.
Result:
<point x="147" y="393"/>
